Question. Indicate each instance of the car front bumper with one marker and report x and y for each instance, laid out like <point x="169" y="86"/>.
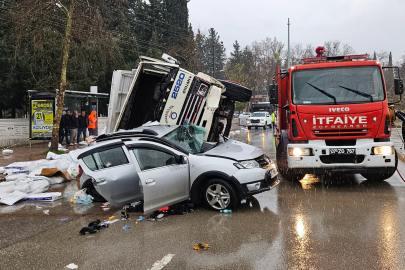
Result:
<point x="264" y="182"/>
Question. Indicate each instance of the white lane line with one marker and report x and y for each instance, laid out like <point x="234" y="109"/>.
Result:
<point x="162" y="263"/>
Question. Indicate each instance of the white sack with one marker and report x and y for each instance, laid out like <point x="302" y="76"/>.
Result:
<point x="13" y="198"/>
<point x="49" y="196"/>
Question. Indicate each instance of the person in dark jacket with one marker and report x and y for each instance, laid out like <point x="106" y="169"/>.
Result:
<point x="83" y="124"/>
<point x="74" y="125"/>
<point x="66" y="125"/>
<point x="401" y="115"/>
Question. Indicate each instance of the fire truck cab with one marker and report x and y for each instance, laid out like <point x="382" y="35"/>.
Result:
<point x="333" y="116"/>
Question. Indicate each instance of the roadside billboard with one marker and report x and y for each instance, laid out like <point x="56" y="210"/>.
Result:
<point x="41" y="122"/>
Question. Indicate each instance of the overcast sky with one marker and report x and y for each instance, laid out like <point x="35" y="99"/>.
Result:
<point x="366" y="25"/>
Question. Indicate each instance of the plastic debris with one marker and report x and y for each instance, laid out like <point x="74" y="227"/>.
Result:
<point x="160" y="216"/>
<point x="164" y="209"/>
<point x="7" y="152"/>
<point x="106" y="209"/>
<point x="46" y="212"/>
<point x="38" y="207"/>
<point x="141" y="218"/>
<point x="72" y="266"/>
<point x="201" y="246"/>
<point x="93" y="227"/>
<point x="112" y="218"/>
<point x="126" y="227"/>
<point x="81" y="197"/>
<point x="49" y="197"/>
<point x="13" y="198"/>
<point x="226" y="211"/>
<point x="63" y="219"/>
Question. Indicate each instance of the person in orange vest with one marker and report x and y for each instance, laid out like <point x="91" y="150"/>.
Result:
<point x="92" y="122"/>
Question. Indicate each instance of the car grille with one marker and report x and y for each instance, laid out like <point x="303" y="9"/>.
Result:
<point x="331" y="159"/>
<point x="254" y="121"/>
<point x="263" y="160"/>
<point x="340" y="132"/>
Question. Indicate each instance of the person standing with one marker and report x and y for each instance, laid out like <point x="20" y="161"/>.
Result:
<point x="273" y="119"/>
<point x="401" y="115"/>
<point x="83" y="124"/>
<point x="66" y="125"/>
<point x="92" y="122"/>
<point x="74" y="125"/>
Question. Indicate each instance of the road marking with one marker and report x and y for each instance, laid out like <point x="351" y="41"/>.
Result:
<point x="162" y="263"/>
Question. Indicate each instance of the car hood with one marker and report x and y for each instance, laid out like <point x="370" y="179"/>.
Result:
<point x="235" y="150"/>
<point x="257" y="118"/>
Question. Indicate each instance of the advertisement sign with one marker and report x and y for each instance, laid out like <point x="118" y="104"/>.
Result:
<point x="42" y="112"/>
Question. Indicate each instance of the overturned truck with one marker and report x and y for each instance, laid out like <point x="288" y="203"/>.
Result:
<point x="164" y="92"/>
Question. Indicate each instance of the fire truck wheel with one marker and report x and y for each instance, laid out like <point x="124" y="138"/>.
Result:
<point x="378" y="177"/>
<point x="282" y="166"/>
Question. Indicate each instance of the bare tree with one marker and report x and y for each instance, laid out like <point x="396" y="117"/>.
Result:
<point x="337" y="48"/>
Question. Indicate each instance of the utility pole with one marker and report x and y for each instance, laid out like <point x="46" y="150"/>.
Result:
<point x="288" y="52"/>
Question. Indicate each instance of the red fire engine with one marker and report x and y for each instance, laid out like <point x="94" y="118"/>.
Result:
<point x="333" y="117"/>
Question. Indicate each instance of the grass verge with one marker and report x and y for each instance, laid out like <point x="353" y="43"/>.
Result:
<point x="53" y="151"/>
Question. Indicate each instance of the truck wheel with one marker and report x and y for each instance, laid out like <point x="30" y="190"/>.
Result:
<point x="282" y="166"/>
<point x="236" y="92"/>
<point x="220" y="195"/>
<point x="256" y="128"/>
<point x="381" y="176"/>
<point x="249" y="128"/>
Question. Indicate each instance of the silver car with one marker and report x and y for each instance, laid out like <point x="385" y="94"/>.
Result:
<point x="164" y="165"/>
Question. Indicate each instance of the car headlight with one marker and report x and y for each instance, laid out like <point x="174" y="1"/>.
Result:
<point x="247" y="122"/>
<point x="247" y="164"/>
<point x="383" y="150"/>
<point x="298" y="152"/>
<point x="262" y="122"/>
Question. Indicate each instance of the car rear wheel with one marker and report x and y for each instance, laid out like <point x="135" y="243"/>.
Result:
<point x="220" y="195"/>
<point x="91" y="190"/>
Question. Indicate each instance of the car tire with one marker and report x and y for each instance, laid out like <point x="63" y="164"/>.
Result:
<point x="227" y="196"/>
<point x="236" y="92"/>
<point x="249" y="128"/>
<point x="256" y="128"/>
<point x="91" y="190"/>
<point x="382" y="176"/>
<point x="265" y="126"/>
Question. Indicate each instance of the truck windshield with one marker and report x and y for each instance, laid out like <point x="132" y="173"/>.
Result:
<point x="337" y="85"/>
<point x="258" y="114"/>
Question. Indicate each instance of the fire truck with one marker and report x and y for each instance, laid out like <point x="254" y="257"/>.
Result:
<point x="333" y="117"/>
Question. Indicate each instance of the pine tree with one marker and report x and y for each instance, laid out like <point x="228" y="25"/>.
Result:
<point x="153" y="50"/>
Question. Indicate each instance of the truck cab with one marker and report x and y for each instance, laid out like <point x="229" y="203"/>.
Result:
<point x="333" y="116"/>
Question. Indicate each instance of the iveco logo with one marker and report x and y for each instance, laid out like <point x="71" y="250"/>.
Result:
<point x="343" y="109"/>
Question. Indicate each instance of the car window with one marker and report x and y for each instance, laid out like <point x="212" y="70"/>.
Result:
<point x="89" y="161"/>
<point x="106" y="159"/>
<point x="150" y="158"/>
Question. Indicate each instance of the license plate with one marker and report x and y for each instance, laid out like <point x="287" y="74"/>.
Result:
<point x="342" y="151"/>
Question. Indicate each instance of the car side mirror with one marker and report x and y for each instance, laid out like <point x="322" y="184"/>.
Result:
<point x="398" y="86"/>
<point x="273" y="94"/>
<point x="183" y="159"/>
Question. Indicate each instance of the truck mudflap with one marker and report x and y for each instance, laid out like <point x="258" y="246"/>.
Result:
<point x="357" y="158"/>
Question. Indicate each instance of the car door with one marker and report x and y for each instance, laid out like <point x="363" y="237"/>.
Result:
<point x="114" y="173"/>
<point x="163" y="172"/>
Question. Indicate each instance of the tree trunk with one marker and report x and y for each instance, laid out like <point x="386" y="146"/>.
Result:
<point x="61" y="93"/>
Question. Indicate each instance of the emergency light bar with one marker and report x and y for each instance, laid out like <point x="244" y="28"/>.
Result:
<point x="335" y="58"/>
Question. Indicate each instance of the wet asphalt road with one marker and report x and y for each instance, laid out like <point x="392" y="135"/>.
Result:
<point x="317" y="223"/>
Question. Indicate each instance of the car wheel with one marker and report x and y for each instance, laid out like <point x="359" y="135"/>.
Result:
<point x="255" y="127"/>
<point x="249" y="128"/>
<point x="91" y="190"/>
<point x="220" y="195"/>
<point x="264" y="127"/>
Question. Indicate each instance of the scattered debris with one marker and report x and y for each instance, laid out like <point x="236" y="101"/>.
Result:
<point x="201" y="246"/>
<point x="126" y="227"/>
<point x="106" y="209"/>
<point x="141" y="218"/>
<point x="226" y="211"/>
<point x="160" y="264"/>
<point x="49" y="197"/>
<point x="38" y="207"/>
<point x="72" y="266"/>
<point x="46" y="212"/>
<point x="83" y="198"/>
<point x="112" y="218"/>
<point x="93" y="227"/>
<point x="63" y="219"/>
<point x="7" y="152"/>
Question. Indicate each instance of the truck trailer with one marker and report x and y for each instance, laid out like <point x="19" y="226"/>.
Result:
<point x="333" y="116"/>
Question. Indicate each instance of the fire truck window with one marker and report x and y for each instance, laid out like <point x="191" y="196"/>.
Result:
<point x="366" y="81"/>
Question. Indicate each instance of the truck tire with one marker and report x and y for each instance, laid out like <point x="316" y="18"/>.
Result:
<point x="381" y="176"/>
<point x="282" y="166"/>
<point x="236" y="92"/>
<point x="249" y="128"/>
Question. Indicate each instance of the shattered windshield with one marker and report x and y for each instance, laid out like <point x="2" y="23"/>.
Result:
<point x="188" y="137"/>
<point x="337" y="85"/>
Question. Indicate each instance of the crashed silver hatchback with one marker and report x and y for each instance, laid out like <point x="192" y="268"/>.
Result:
<point x="163" y="165"/>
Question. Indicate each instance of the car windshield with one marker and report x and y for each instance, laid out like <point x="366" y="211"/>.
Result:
<point x="337" y="85"/>
<point x="258" y="114"/>
<point x="188" y="137"/>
